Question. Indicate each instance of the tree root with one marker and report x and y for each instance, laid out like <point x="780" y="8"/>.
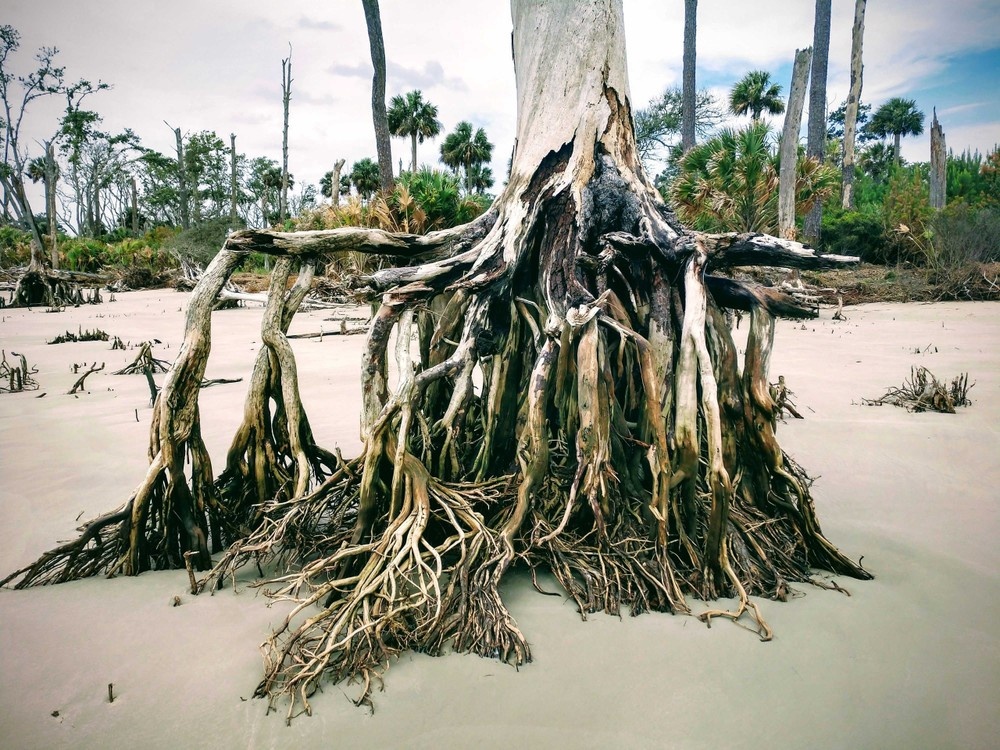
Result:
<point x="924" y="392"/>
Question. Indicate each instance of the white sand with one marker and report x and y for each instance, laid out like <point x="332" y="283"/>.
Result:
<point x="911" y="660"/>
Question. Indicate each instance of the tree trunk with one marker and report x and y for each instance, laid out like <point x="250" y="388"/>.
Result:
<point x="379" y="117"/>
<point x="939" y="165"/>
<point x="51" y="178"/>
<point x="816" y="140"/>
<point x="182" y="185"/>
<point x="790" y="144"/>
<point x="135" y="208"/>
<point x="569" y="396"/>
<point x="335" y="181"/>
<point x="233" y="189"/>
<point x="286" y="95"/>
<point x="853" y="102"/>
<point x="688" y="88"/>
<point x="413" y="153"/>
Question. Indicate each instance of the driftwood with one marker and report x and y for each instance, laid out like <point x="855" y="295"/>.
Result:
<point x="18" y="377"/>
<point x="81" y="335"/>
<point x="144" y="362"/>
<point x="924" y="392"/>
<point x="79" y="384"/>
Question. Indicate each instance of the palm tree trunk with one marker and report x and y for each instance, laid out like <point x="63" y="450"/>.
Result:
<point x="853" y="102"/>
<point x="374" y="22"/>
<point x="688" y="88"/>
<point x="413" y="147"/>
<point x="895" y="147"/>
<point x="816" y="143"/>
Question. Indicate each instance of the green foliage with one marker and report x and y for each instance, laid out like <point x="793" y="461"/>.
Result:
<point x="465" y="149"/>
<point x="15" y="246"/>
<point x="907" y="217"/>
<point x="974" y="180"/>
<point x="658" y="125"/>
<point x="730" y="183"/>
<point x="365" y="176"/>
<point x="411" y="117"/>
<point x="201" y="242"/>
<point x="860" y="233"/>
<point x="755" y="94"/>
<point x="896" y="118"/>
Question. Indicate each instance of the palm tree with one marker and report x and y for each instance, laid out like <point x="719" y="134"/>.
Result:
<point x="466" y="148"/>
<point x="897" y="117"/>
<point x="366" y="177"/>
<point x="730" y="183"/>
<point x="480" y="178"/>
<point x="754" y="94"/>
<point x="411" y="116"/>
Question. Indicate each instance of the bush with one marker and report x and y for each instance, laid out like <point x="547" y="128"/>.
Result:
<point x="15" y="247"/>
<point x="963" y="234"/>
<point x="201" y="243"/>
<point x="860" y="233"/>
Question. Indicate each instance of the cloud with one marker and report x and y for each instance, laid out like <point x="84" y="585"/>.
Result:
<point x="361" y="70"/>
<point x="311" y="24"/>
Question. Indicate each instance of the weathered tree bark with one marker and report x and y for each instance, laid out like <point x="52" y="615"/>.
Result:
<point x="790" y="144"/>
<point x="816" y="130"/>
<point x="939" y="165"/>
<point x="135" y="208"/>
<point x="286" y="96"/>
<point x="379" y="117"/>
<point x="853" y="102"/>
<point x="182" y="186"/>
<point x="689" y="90"/>
<point x="335" y="181"/>
<point x="568" y="396"/>
<point x="51" y="177"/>
<point x="233" y="185"/>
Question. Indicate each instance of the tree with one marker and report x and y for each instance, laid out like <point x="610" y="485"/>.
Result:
<point x="286" y="96"/>
<point x="373" y="20"/>
<point x="754" y="94"/>
<point x="410" y="116"/>
<point x="39" y="285"/>
<point x="790" y="144"/>
<point x="465" y="148"/>
<point x="897" y="117"/>
<point x="568" y="396"/>
<point x="853" y="105"/>
<point x="816" y="127"/>
<point x="658" y="125"/>
<point x="365" y="177"/>
<point x="689" y="105"/>
<point x="331" y="178"/>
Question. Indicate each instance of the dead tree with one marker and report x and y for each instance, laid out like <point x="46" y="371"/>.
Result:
<point x="790" y="144"/>
<point x="939" y="165"/>
<point x="853" y="102"/>
<point x="569" y="396"/>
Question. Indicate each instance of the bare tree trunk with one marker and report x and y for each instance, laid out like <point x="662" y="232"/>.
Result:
<point x="382" y="145"/>
<point x="182" y="185"/>
<point x="233" y="216"/>
<point x="335" y="181"/>
<point x="688" y="88"/>
<point x="790" y="144"/>
<point x="853" y="102"/>
<point x="939" y="165"/>
<point x="286" y="95"/>
<point x="816" y="141"/>
<point x="135" y="208"/>
<point x="51" y="177"/>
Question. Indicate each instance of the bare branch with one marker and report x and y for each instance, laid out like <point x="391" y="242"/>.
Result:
<point x="731" y="250"/>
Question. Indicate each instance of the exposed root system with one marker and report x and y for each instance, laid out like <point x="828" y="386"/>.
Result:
<point x="924" y="392"/>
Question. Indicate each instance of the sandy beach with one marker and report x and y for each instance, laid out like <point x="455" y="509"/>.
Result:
<point x="909" y="660"/>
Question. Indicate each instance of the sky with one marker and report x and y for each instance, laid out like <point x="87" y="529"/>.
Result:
<point x="216" y="65"/>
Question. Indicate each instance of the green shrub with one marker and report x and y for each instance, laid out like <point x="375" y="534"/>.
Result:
<point x="202" y="242"/>
<point x="15" y="246"/>
<point x="860" y="233"/>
